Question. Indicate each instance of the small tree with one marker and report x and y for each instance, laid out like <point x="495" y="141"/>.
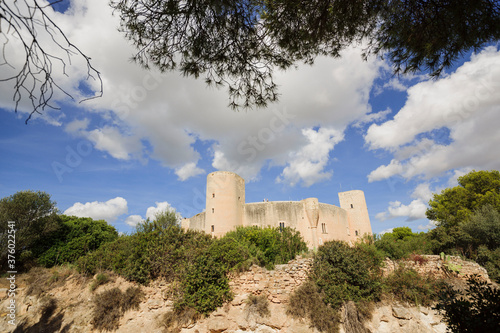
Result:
<point x="457" y="204"/>
<point x="34" y="215"/>
<point x="475" y="310"/>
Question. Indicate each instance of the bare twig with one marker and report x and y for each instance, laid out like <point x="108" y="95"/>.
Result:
<point x="26" y="20"/>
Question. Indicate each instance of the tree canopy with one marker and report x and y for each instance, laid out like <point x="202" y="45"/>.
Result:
<point x="239" y="43"/>
<point x="34" y="215"/>
<point x="457" y="204"/>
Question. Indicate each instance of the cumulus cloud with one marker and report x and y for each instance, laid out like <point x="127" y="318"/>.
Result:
<point x="109" y="210"/>
<point x="385" y="171"/>
<point x="164" y="116"/>
<point x="110" y="140"/>
<point x="444" y="123"/>
<point x="415" y="210"/>
<point x="188" y="170"/>
<point x="151" y="212"/>
<point x="160" y="207"/>
<point x="308" y="164"/>
<point x="133" y="220"/>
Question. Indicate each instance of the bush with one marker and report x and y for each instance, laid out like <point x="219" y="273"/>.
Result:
<point x="35" y="219"/>
<point x="206" y="286"/>
<point x="74" y="238"/>
<point x="346" y="273"/>
<point x="111" y="305"/>
<point x="490" y="260"/>
<point x="148" y="254"/>
<point x="100" y="279"/>
<point x="270" y="245"/>
<point x="408" y="286"/>
<point x="478" y="308"/>
<point x="402" y="242"/>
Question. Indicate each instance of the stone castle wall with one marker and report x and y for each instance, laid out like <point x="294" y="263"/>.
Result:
<point x="317" y="222"/>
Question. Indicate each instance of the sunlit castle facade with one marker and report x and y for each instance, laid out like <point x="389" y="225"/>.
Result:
<point x="317" y="222"/>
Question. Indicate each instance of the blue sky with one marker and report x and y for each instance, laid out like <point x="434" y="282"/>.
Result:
<point x="341" y="124"/>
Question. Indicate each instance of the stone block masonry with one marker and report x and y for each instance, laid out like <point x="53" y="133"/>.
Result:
<point x="277" y="284"/>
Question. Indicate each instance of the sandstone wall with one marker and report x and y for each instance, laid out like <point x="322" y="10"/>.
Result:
<point x="435" y="266"/>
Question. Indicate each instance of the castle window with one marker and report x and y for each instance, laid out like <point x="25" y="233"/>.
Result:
<point x="282" y="226"/>
<point x="356" y="232"/>
<point x="323" y="228"/>
<point x="213" y="228"/>
<point x="213" y="210"/>
<point x="213" y="195"/>
<point x="352" y="206"/>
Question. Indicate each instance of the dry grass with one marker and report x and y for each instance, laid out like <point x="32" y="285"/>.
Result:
<point x="354" y="317"/>
<point x="40" y="280"/>
<point x="307" y="303"/>
<point x="99" y="280"/>
<point x="110" y="305"/>
<point x="257" y="304"/>
<point x="173" y="321"/>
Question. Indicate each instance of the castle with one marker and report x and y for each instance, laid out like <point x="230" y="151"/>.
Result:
<point x="317" y="222"/>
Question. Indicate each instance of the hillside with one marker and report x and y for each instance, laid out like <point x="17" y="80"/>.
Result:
<point x="60" y="300"/>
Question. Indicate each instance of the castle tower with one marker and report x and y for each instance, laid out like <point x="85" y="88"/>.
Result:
<point x="355" y="204"/>
<point x="225" y="202"/>
<point x="312" y="213"/>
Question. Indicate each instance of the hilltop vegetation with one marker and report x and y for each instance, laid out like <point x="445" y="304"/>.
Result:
<point x="197" y="266"/>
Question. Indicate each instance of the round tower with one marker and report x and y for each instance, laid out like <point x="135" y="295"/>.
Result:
<point x="312" y="213"/>
<point x="355" y="204"/>
<point x="225" y="202"/>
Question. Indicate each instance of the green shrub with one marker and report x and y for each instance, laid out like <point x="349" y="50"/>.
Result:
<point x="149" y="253"/>
<point x="475" y="309"/>
<point x="346" y="273"/>
<point x="490" y="259"/>
<point x="111" y="305"/>
<point x="408" y="286"/>
<point x="402" y="242"/>
<point x="270" y="245"/>
<point x="100" y="279"/>
<point x="205" y="286"/>
<point x="75" y="237"/>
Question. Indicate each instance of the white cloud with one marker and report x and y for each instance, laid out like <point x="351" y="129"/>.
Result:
<point x="308" y="164"/>
<point x="76" y="126"/>
<point x="110" y="140"/>
<point x="385" y="171"/>
<point x="372" y="117"/>
<point x="414" y="211"/>
<point x="133" y="220"/>
<point x="109" y="210"/>
<point x="188" y="170"/>
<point x="423" y="192"/>
<point x="151" y="212"/>
<point x="395" y="84"/>
<point x="160" y="207"/>
<point x="443" y="125"/>
<point x="163" y="116"/>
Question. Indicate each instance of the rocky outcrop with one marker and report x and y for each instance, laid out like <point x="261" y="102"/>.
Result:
<point x="68" y="306"/>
